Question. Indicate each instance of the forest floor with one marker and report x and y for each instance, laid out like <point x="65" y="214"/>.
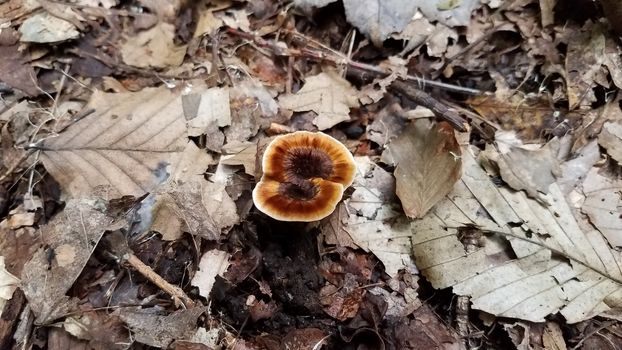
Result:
<point x="485" y="213"/>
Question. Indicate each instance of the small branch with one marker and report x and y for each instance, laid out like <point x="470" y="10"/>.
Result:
<point x="437" y="107"/>
<point x="174" y="291"/>
<point x="339" y="59"/>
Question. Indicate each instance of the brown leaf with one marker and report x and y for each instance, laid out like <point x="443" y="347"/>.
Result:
<point x="70" y="239"/>
<point x="151" y="328"/>
<point x="123" y="148"/>
<point x="344" y="302"/>
<point x="427" y="164"/>
<point x="304" y="339"/>
<point x="197" y="206"/>
<point x="16" y="72"/>
<point x="153" y="48"/>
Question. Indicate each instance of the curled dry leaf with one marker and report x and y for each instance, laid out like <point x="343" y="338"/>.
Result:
<point x="427" y="164"/>
<point x="328" y="95"/>
<point x="122" y="148"/>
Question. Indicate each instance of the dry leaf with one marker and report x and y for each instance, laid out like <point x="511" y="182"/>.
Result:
<point x="154" y="47"/>
<point x="584" y="64"/>
<point x="328" y="95"/>
<point x="367" y="220"/>
<point x="378" y="20"/>
<point x="206" y="22"/>
<point x="8" y="284"/>
<point x="123" y="148"/>
<point x="150" y="327"/>
<point x="69" y="239"/>
<point x="193" y="161"/>
<point x="198" y="206"/>
<point x="603" y="204"/>
<point x="102" y="330"/>
<point x="427" y="164"/>
<point x="16" y="72"/>
<point x="240" y="153"/>
<point x="207" y="111"/>
<point x="449" y="12"/>
<point x="523" y="168"/>
<point x="611" y="139"/>
<point x="45" y="28"/>
<point x="213" y="263"/>
<point x="531" y="282"/>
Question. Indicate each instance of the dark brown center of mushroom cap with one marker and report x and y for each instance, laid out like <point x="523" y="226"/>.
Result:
<point x="301" y="190"/>
<point x="307" y="163"/>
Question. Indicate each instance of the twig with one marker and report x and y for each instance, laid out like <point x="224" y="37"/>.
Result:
<point x="438" y="108"/>
<point x="174" y="291"/>
<point x="338" y="58"/>
<point x="15" y="165"/>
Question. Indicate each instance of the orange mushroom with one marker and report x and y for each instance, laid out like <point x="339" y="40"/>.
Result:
<point x="304" y="176"/>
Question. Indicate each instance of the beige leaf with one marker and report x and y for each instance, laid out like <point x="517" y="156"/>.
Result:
<point x="123" y="148"/>
<point x="71" y="237"/>
<point x="197" y="206"/>
<point x="580" y="280"/>
<point x="611" y="139"/>
<point x="193" y="161"/>
<point x="603" y="204"/>
<point x="154" y="47"/>
<point x="45" y="28"/>
<point x="150" y="327"/>
<point x="8" y="284"/>
<point x="372" y="223"/>
<point x="207" y="111"/>
<point x="526" y="169"/>
<point x="328" y="95"/>
<point x="207" y="22"/>
<point x="584" y="64"/>
<point x="240" y="153"/>
<point x="427" y="164"/>
<point x="213" y="263"/>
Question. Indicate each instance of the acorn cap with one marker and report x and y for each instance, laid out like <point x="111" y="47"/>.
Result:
<point x="304" y="176"/>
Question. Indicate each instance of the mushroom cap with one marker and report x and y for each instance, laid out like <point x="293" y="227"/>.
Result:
<point x="304" y="176"/>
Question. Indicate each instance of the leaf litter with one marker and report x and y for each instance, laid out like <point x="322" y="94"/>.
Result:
<point x="132" y="137"/>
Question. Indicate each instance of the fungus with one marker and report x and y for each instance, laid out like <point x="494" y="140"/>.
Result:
<point x="304" y="176"/>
